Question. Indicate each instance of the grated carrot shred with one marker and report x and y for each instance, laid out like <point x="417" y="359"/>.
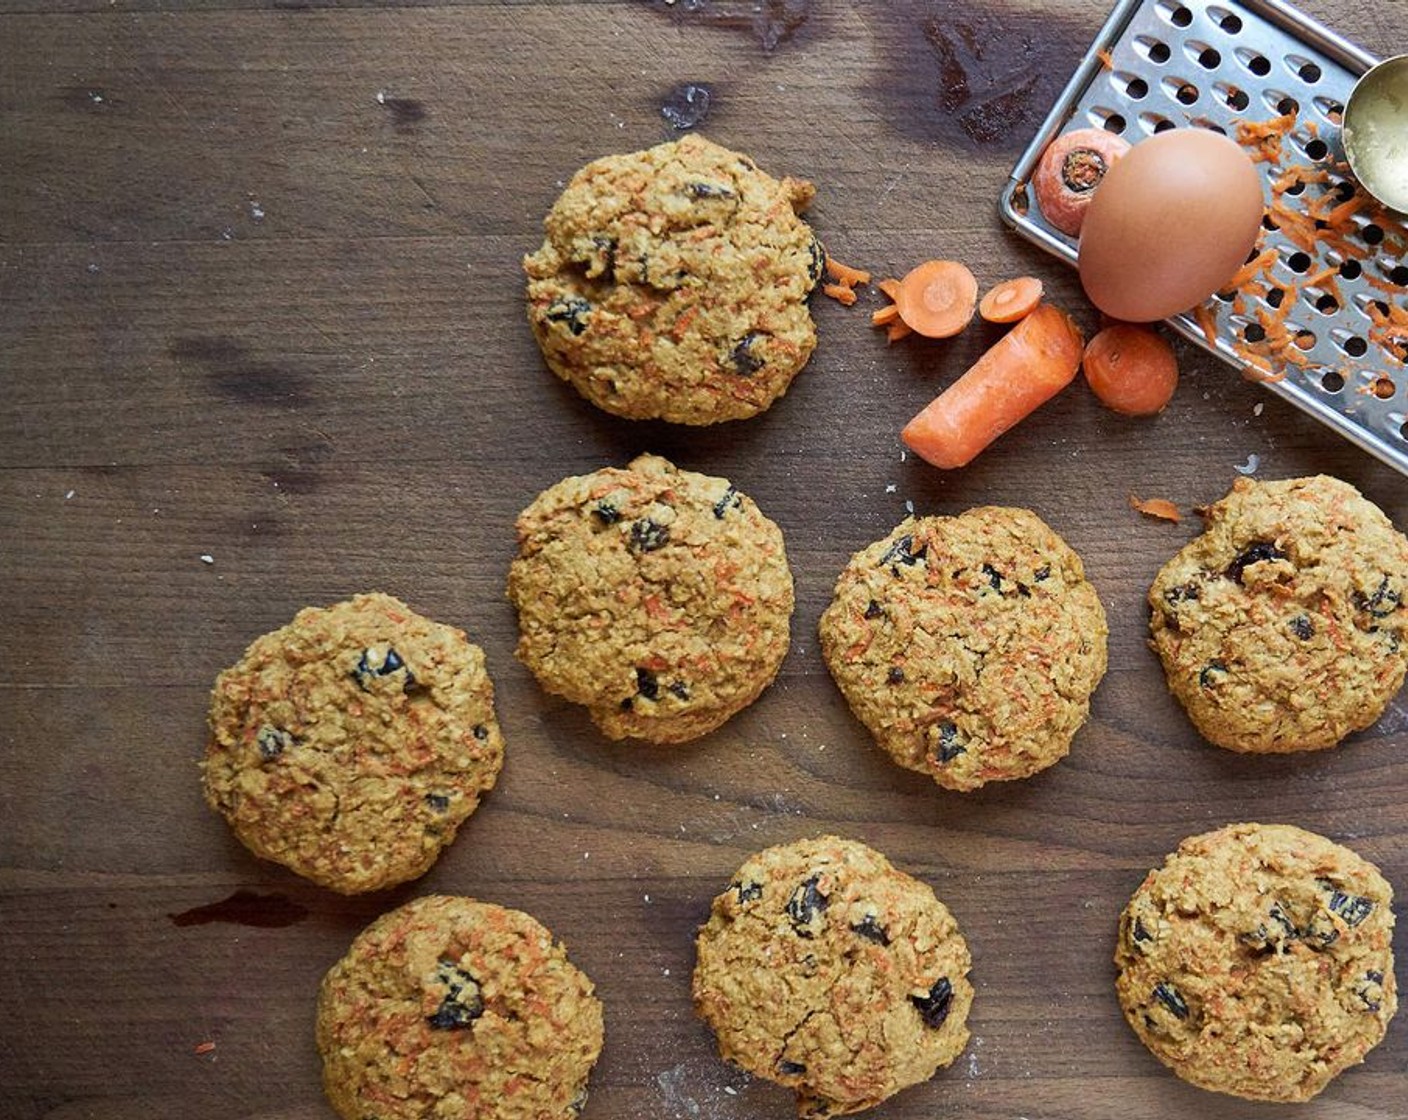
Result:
<point x="845" y="275"/>
<point x="1160" y="508"/>
<point x="840" y="293"/>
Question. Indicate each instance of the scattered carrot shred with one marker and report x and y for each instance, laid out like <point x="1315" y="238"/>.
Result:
<point x="890" y="286"/>
<point x="884" y="315"/>
<point x="204" y="1047"/>
<point x="1208" y="322"/>
<point x="844" y="274"/>
<point x="898" y="330"/>
<point x="1160" y="508"/>
<point x="840" y="293"/>
<point x="1106" y="60"/>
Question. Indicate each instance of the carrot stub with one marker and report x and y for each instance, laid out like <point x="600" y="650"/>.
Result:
<point x="844" y="273"/>
<point x="1160" y="508"/>
<point x="1011" y="300"/>
<point x="937" y="298"/>
<point x="1031" y="364"/>
<point x="1131" y="369"/>
<point x="840" y="293"/>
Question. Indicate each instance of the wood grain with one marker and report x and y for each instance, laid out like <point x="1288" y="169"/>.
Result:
<point x="260" y="300"/>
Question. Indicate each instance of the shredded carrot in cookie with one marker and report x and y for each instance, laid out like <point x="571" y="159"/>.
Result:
<point x="1160" y="508"/>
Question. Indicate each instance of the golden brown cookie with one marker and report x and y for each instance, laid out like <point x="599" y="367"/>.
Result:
<point x="968" y="646"/>
<point x="827" y="970"/>
<point x="1258" y="961"/>
<point x="659" y="598"/>
<point x="453" y="1009"/>
<point x="351" y="744"/>
<point x="1283" y="627"/>
<point x="673" y="282"/>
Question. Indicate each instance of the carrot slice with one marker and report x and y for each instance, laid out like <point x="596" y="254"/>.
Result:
<point x="1029" y="365"/>
<point x="1131" y="369"/>
<point x="1011" y="300"/>
<point x="1160" y="508"/>
<point x="884" y="316"/>
<point x="845" y="274"/>
<point x="890" y="286"/>
<point x="840" y="293"/>
<point x="937" y="298"/>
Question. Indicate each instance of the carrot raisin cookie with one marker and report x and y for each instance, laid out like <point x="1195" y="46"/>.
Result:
<point x="458" y="1010"/>
<point x="1258" y="962"/>
<point x="968" y="646"/>
<point x="351" y="744"/>
<point x="1284" y="626"/>
<point x="825" y="969"/>
<point x="673" y="282"/>
<point x="659" y="598"/>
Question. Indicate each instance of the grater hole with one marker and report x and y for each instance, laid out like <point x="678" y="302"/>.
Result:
<point x="1309" y="73"/>
<point x="1155" y="122"/>
<point x="1326" y="304"/>
<point x="1136" y="89"/>
<point x="1114" y="123"/>
<point x="1350" y="270"/>
<point x="1399" y="275"/>
<point x="1164" y="125"/>
<point x="1382" y="387"/>
<point x="1298" y="187"/>
<point x="1275" y="297"/>
<point x="1209" y="59"/>
<point x="1175" y="13"/>
<point x="1228" y="21"/>
<point x="1257" y="63"/>
<point x="1185" y="93"/>
<point x="1344" y="190"/>
<point x="1237" y="99"/>
<point x="1304" y="339"/>
<point x="1317" y="149"/>
<point x="1372" y="234"/>
<point x="1210" y="125"/>
<point x="1332" y="382"/>
<point x="1288" y="106"/>
<point x="1254" y="332"/>
<point x="1331" y="110"/>
<point x="1397" y="348"/>
<point x="1155" y="50"/>
<point x="1020" y="202"/>
<point x="1403" y="430"/>
<point x="1298" y="262"/>
<point x="1268" y="223"/>
<point x="1355" y="346"/>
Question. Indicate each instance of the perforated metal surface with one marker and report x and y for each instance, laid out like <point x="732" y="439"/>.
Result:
<point x="1160" y="64"/>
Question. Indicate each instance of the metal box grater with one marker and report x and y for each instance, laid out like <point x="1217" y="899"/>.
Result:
<point x="1159" y="64"/>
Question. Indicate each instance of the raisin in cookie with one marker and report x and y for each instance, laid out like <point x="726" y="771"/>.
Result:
<point x="968" y="646"/>
<point x="673" y="282"/>
<point x="458" y="1010"/>
<point x="1258" y="962"/>
<point x="659" y="598"/>
<point x="825" y="969"/>
<point x="1284" y="626"/>
<point x="351" y="744"/>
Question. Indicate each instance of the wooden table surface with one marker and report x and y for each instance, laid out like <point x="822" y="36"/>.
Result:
<point x="262" y="345"/>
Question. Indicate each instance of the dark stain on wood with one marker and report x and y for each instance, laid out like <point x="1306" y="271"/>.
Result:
<point x="235" y="374"/>
<point x="245" y="908"/>
<point x="406" y="112"/>
<point x="770" y="22"/>
<point x="983" y="78"/>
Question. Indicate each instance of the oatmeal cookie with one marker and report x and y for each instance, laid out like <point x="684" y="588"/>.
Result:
<point x="351" y="744"/>
<point x="969" y="646"/>
<point x="827" y="970"/>
<point x="458" y="1010"/>
<point x="1284" y="626"/>
<point x="673" y="284"/>
<point x="659" y="598"/>
<point x="1258" y="962"/>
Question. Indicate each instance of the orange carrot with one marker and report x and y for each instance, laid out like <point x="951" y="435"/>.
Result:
<point x="937" y="298"/>
<point x="845" y="274"/>
<point x="1161" y="508"/>
<point x="897" y="330"/>
<point x="1011" y="300"/>
<point x="1030" y="364"/>
<point x="884" y="316"/>
<point x="891" y="287"/>
<point x="1131" y="369"/>
<point x="840" y="293"/>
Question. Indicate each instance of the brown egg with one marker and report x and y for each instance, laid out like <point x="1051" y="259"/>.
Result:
<point x="1170" y="224"/>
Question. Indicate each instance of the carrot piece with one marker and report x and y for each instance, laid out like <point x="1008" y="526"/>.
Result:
<point x="840" y="293"/>
<point x="884" y="316"/>
<point x="891" y="287"/>
<point x="1160" y="508"/>
<point x="897" y="330"/>
<point x="1011" y="300"/>
<point x="845" y="274"/>
<point x="1131" y="369"/>
<point x="937" y="298"/>
<point x="1027" y="367"/>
